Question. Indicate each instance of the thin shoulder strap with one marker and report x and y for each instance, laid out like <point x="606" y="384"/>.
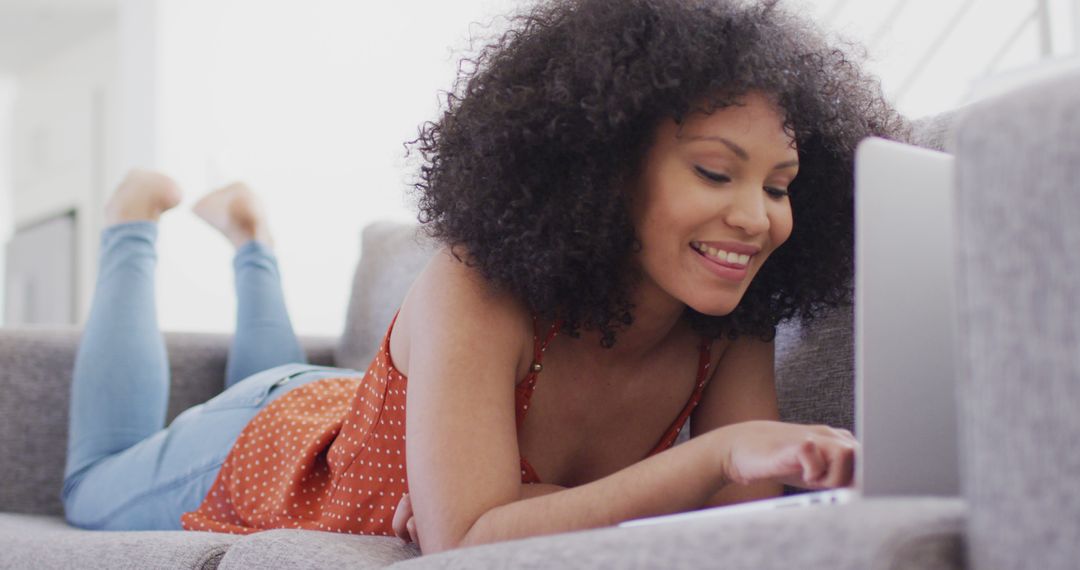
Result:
<point x="525" y="387"/>
<point x="704" y="358"/>
<point x="540" y="346"/>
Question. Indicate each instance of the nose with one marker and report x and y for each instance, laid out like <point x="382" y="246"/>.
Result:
<point x="747" y="211"/>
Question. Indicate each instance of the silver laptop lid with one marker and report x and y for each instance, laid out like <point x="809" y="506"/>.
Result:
<point x="905" y="410"/>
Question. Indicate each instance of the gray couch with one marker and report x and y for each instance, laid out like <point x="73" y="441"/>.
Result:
<point x="1018" y="160"/>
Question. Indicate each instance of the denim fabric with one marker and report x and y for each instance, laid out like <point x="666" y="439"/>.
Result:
<point x="264" y="335"/>
<point x="125" y="470"/>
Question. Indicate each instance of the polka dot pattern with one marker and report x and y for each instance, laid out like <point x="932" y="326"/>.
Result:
<point x="330" y="455"/>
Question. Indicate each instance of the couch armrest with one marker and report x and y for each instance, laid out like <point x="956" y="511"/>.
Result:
<point x="1018" y="297"/>
<point x="35" y="380"/>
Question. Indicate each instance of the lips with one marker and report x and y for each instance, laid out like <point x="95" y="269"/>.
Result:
<point x="730" y="246"/>
<point x="724" y="257"/>
<point x="724" y="262"/>
<point x="723" y="269"/>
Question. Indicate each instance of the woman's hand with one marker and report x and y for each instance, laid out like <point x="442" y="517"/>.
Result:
<point x="404" y="523"/>
<point x="807" y="456"/>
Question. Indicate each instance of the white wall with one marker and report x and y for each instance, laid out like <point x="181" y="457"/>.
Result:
<point x="7" y="98"/>
<point x="61" y="126"/>
<point x="925" y="70"/>
<point x="309" y="103"/>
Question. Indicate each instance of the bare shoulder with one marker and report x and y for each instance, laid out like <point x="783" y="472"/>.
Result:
<point x="460" y="343"/>
<point x="449" y="305"/>
<point x="744" y="375"/>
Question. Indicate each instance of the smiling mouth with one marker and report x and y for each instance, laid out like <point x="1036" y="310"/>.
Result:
<point x="726" y="258"/>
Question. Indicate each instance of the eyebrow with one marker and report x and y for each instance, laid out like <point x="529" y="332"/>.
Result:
<point x="740" y="151"/>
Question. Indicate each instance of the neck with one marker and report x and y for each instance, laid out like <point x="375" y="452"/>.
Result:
<point x="656" y="317"/>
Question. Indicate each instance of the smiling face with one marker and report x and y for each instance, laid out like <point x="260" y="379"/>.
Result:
<point x="712" y="205"/>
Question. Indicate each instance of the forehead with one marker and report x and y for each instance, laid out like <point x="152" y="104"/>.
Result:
<point x="753" y="121"/>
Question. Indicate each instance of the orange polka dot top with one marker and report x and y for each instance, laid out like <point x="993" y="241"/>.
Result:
<point x="329" y="455"/>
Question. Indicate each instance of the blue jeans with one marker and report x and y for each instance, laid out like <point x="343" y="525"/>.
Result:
<point x="125" y="470"/>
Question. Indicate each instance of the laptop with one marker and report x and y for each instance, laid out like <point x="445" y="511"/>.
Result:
<point x="905" y="397"/>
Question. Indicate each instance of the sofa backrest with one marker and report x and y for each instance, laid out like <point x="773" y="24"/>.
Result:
<point x="35" y="389"/>
<point x="392" y="254"/>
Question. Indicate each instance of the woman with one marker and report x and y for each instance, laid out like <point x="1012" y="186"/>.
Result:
<point x="631" y="195"/>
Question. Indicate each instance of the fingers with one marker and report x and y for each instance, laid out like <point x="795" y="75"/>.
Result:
<point x="813" y="463"/>
<point x="842" y="456"/>
<point x="828" y="462"/>
<point x="845" y="434"/>
<point x="403" y="517"/>
<point x="845" y="465"/>
<point x="831" y="432"/>
<point x="412" y="530"/>
<point x="807" y="456"/>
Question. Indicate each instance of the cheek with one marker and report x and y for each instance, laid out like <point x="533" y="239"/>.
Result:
<point x="781" y="224"/>
<point x="664" y="215"/>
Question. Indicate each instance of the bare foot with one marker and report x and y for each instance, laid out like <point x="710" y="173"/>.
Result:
<point x="142" y="195"/>
<point x="236" y="211"/>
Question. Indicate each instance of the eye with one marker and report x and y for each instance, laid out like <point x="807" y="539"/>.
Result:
<point x="713" y="176"/>
<point x="777" y="193"/>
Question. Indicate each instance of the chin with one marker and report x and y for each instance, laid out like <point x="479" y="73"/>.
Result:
<point x="714" y="309"/>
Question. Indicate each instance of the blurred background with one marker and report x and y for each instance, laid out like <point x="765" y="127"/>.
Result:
<point x="310" y="102"/>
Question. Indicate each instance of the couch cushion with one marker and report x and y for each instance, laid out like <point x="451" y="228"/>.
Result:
<point x="392" y="254"/>
<point x="36" y="541"/>
<point x="300" y="549"/>
<point x="916" y="533"/>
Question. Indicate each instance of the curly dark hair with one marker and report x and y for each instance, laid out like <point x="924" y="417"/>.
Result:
<point x="527" y="169"/>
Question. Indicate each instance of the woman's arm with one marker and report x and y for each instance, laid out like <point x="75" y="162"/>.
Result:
<point x="462" y="356"/>
<point x="464" y="352"/>
<point x="678" y="479"/>
<point x="742" y="388"/>
<point x="681" y="479"/>
<point x="405" y="525"/>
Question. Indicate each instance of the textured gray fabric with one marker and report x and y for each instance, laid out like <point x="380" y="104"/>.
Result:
<point x="815" y="380"/>
<point x="1018" y="202"/>
<point x="865" y="535"/>
<point x="935" y="132"/>
<point x="35" y="372"/>
<point x="392" y="255"/>
<point x="35" y="376"/>
<point x="301" y="549"/>
<point x="35" y="541"/>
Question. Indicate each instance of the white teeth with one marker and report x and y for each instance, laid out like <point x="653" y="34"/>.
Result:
<point x="726" y="256"/>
